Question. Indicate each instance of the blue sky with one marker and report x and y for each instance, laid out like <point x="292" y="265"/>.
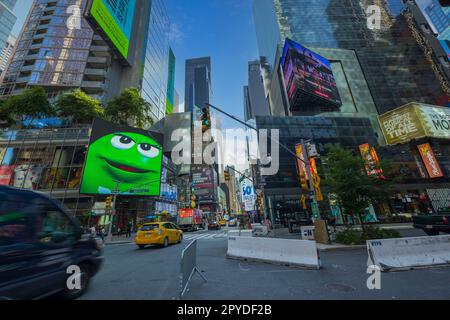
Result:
<point x="222" y="29"/>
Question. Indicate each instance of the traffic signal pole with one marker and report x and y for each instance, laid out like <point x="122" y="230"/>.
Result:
<point x="286" y="148"/>
<point x="113" y="210"/>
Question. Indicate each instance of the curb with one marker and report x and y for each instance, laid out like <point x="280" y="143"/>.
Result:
<point x="116" y="242"/>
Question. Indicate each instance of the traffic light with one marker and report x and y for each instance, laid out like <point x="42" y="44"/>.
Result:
<point x="227" y="176"/>
<point x="206" y="119"/>
<point x="444" y="3"/>
<point x="259" y="201"/>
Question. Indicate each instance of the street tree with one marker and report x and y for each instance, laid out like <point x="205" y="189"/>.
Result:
<point x="6" y="115"/>
<point x="31" y="103"/>
<point x="79" y="107"/>
<point x="129" y="106"/>
<point x="346" y="177"/>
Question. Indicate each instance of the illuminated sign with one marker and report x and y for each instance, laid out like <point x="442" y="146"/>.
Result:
<point x="301" y="165"/>
<point x="430" y="161"/>
<point x="115" y="19"/>
<point x="371" y="160"/>
<point x="414" y="121"/>
<point x="307" y="76"/>
<point x="123" y="159"/>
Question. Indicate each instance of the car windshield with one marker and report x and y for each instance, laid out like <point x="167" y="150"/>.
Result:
<point x="149" y="227"/>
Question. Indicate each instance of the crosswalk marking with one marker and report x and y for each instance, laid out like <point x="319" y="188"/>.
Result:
<point x="207" y="236"/>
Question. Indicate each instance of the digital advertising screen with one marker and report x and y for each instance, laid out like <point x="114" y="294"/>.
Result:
<point x="308" y="76"/>
<point x="122" y="157"/>
<point x="115" y="19"/>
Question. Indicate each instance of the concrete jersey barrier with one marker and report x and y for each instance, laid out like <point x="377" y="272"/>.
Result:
<point x="240" y="233"/>
<point x="409" y="253"/>
<point x="300" y="253"/>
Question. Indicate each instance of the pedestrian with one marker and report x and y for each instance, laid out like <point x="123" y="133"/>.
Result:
<point x="129" y="230"/>
<point x="93" y="231"/>
<point x="119" y="231"/>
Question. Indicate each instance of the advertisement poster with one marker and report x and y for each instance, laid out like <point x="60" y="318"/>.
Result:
<point x="371" y="160"/>
<point x="203" y="182"/>
<point x="248" y="195"/>
<point x="115" y="18"/>
<point x="430" y="161"/>
<point x="401" y="125"/>
<point x="124" y="157"/>
<point x="307" y="72"/>
<point x="436" y="121"/>
<point x="301" y="165"/>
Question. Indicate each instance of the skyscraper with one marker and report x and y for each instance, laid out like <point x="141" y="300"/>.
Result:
<point x="254" y="97"/>
<point x="439" y="17"/>
<point x="52" y="54"/>
<point x="197" y="83"/>
<point x="7" y="20"/>
<point x="156" y="59"/>
<point x="394" y="65"/>
<point x="170" y="102"/>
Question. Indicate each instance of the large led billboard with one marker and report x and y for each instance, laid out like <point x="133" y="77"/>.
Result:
<point x="122" y="159"/>
<point x="308" y="77"/>
<point x="115" y="19"/>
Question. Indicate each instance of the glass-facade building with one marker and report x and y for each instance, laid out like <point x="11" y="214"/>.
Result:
<point x="7" y="20"/>
<point x="394" y="65"/>
<point x="52" y="161"/>
<point x="156" y="65"/>
<point x="283" y="191"/>
<point x="51" y="55"/>
<point x="198" y="88"/>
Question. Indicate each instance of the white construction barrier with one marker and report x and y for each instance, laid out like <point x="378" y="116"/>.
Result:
<point x="409" y="253"/>
<point x="240" y="233"/>
<point x="298" y="253"/>
<point x="259" y="230"/>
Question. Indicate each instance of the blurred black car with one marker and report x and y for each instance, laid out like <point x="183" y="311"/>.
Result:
<point x="42" y="248"/>
<point x="214" y="225"/>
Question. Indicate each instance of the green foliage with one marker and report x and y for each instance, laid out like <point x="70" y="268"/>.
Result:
<point x="347" y="178"/>
<point x="31" y="103"/>
<point x="130" y="105"/>
<point x="6" y="115"/>
<point x="78" y="106"/>
<point x="356" y="237"/>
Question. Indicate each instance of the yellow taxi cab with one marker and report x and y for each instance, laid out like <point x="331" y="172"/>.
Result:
<point x="222" y="223"/>
<point x="158" y="233"/>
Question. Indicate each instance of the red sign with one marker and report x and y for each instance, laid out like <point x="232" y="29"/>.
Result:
<point x="430" y="161"/>
<point x="186" y="213"/>
<point x="6" y="175"/>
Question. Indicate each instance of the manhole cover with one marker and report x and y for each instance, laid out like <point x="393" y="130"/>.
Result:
<point x="341" y="287"/>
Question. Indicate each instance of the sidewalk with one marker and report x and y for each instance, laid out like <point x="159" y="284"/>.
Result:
<point x="120" y="240"/>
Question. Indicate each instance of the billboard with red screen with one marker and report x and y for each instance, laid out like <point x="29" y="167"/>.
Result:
<point x="308" y="77"/>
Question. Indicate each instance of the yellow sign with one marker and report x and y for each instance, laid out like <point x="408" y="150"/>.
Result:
<point x="415" y="120"/>
<point x="315" y="179"/>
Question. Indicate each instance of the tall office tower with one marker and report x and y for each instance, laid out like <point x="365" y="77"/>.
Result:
<point x="61" y="56"/>
<point x="254" y="97"/>
<point x="170" y="100"/>
<point x="156" y="65"/>
<point x="430" y="23"/>
<point x="7" y="20"/>
<point x="439" y="17"/>
<point x="393" y="64"/>
<point x="197" y="83"/>
<point x="7" y="52"/>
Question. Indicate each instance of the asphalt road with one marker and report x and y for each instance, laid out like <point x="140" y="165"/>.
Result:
<point x="153" y="273"/>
